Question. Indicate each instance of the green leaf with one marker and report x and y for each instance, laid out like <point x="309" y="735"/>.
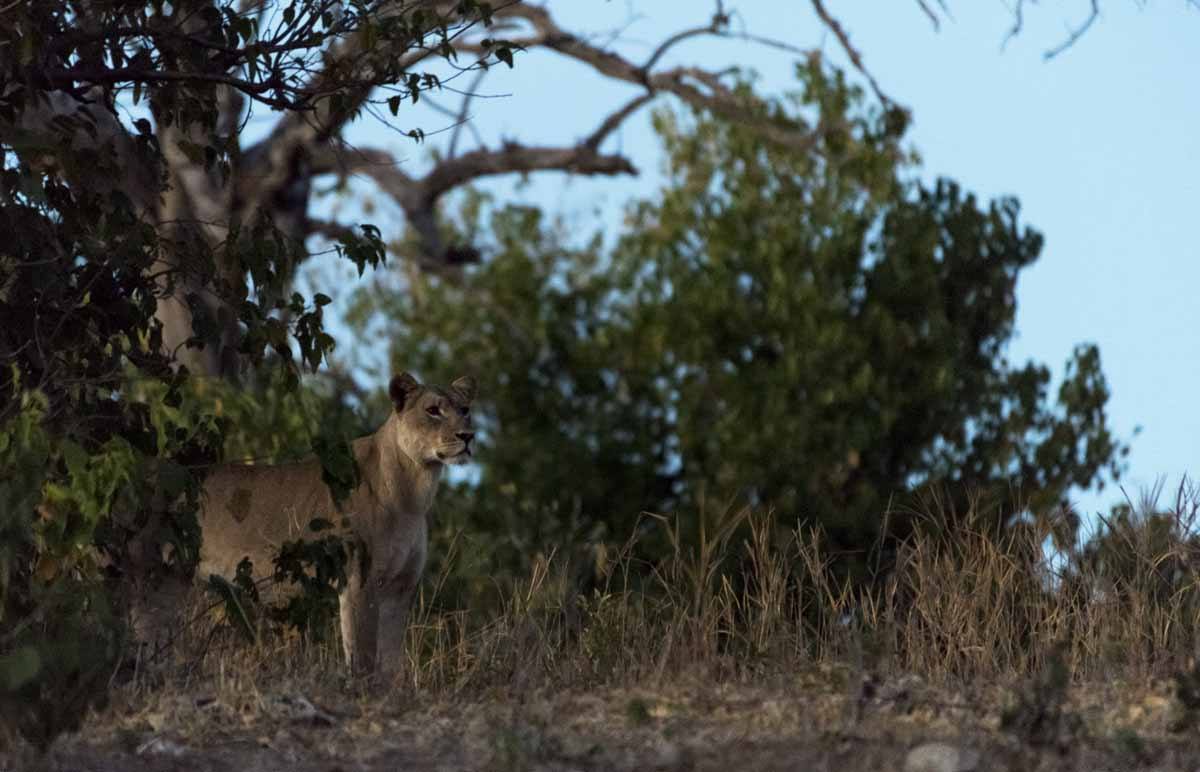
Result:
<point x="339" y="468"/>
<point x="173" y="478"/>
<point x="75" y="457"/>
<point x="19" y="668"/>
<point x="235" y="612"/>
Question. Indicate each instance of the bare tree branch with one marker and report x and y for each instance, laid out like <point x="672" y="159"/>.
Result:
<point x="1018" y="23"/>
<point x="331" y="230"/>
<point x="719" y="20"/>
<point x="272" y="164"/>
<point x="379" y="165"/>
<point x="419" y="197"/>
<point x="1073" y="34"/>
<point x="682" y="82"/>
<point x="514" y="157"/>
<point x="855" y="57"/>
<point x="138" y="181"/>
<point x="931" y="15"/>
<point x="463" y="118"/>
<point x="613" y="121"/>
<point x="1076" y="33"/>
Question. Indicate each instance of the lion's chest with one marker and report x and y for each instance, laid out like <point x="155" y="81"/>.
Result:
<point x="398" y="533"/>
<point x="399" y="556"/>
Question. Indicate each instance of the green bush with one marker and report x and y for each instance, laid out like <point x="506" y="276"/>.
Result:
<point x="807" y="328"/>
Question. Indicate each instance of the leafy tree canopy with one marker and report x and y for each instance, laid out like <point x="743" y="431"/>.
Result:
<point x="808" y="328"/>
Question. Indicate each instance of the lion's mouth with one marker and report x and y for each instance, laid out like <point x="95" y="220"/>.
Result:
<point x="459" y="455"/>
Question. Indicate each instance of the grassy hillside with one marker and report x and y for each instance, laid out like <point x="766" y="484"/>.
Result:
<point x="741" y="645"/>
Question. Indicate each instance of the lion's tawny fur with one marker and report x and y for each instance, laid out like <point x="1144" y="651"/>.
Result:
<point x="251" y="510"/>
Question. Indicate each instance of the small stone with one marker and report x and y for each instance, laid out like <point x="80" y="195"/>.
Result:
<point x="303" y="711"/>
<point x="160" y="746"/>
<point x="941" y="757"/>
<point x="667" y="755"/>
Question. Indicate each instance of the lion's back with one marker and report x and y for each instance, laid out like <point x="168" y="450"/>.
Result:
<point x="251" y="510"/>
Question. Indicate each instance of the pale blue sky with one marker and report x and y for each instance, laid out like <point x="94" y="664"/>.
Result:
<point x="1101" y="145"/>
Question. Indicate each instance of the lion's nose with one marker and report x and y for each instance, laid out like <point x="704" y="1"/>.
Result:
<point x="465" y="436"/>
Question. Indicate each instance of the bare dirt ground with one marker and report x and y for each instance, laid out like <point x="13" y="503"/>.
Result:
<point x="820" y="721"/>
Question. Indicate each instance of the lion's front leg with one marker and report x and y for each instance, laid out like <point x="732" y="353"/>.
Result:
<point x="395" y="603"/>
<point x="394" y="607"/>
<point x="359" y="612"/>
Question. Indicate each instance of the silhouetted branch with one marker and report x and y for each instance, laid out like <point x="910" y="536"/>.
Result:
<point x="855" y="57"/>
<point x="1077" y="33"/>
<point x="932" y="15"/>
<point x="1072" y="38"/>
<point x="462" y="117"/>
<point x="418" y="197"/>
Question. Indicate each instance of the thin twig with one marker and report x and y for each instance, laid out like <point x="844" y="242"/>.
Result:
<point x="463" y="120"/>
<point x="929" y="12"/>
<point x="616" y="119"/>
<point x="678" y="37"/>
<point x="1077" y="33"/>
<point x="855" y="57"/>
<point x="1018" y="23"/>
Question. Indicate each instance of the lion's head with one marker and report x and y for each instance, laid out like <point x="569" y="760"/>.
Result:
<point x="434" y="422"/>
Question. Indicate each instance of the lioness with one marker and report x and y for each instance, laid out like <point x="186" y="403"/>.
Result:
<point x="249" y="511"/>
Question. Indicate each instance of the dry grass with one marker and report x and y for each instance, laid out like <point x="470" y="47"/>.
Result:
<point x="1011" y="622"/>
<point x="746" y="598"/>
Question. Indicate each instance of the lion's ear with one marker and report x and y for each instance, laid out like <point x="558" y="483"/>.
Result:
<point x="401" y="388"/>
<point x="465" y="386"/>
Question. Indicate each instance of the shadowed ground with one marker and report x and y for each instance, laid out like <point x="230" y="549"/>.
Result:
<point x="823" y="720"/>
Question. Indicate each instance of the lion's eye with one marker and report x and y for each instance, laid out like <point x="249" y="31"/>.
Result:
<point x="434" y="411"/>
